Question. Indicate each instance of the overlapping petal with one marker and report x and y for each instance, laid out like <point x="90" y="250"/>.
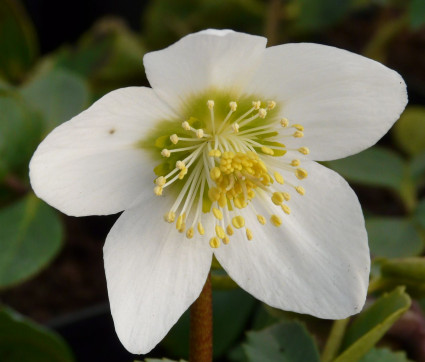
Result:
<point x="153" y="272"/>
<point x="316" y="262"/>
<point x="345" y="101"/>
<point x="209" y="59"/>
<point x="92" y="165"/>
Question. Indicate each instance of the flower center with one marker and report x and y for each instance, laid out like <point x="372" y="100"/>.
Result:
<point x="223" y="164"/>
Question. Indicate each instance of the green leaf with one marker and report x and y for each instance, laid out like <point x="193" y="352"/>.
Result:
<point x="417" y="169"/>
<point x="58" y="94"/>
<point x="393" y="237"/>
<point x="420" y="213"/>
<point x="232" y="309"/>
<point x="24" y="340"/>
<point x="18" y="44"/>
<point x="315" y="15"/>
<point x="31" y="235"/>
<point x="287" y="341"/>
<point x="20" y="133"/>
<point x="376" y="166"/>
<point x="384" y="355"/>
<point x="369" y="327"/>
<point x="416" y="12"/>
<point x="409" y="131"/>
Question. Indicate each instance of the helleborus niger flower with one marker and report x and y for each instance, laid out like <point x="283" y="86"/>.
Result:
<point x="218" y="157"/>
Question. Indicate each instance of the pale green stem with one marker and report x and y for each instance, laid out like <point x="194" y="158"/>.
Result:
<point x="333" y="344"/>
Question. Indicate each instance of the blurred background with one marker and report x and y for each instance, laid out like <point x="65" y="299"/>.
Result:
<point x="57" y="58"/>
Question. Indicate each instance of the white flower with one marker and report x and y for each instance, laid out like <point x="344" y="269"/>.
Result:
<point x="231" y="130"/>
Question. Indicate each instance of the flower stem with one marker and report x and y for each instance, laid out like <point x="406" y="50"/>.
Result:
<point x="334" y="341"/>
<point x="201" y="347"/>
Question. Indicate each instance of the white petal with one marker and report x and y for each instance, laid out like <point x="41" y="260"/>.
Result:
<point x="346" y="102"/>
<point x="91" y="165"/>
<point x="221" y="59"/>
<point x="317" y="262"/>
<point x="153" y="272"/>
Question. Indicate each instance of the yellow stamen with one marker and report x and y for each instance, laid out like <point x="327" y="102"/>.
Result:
<point x="284" y="122"/>
<point x="298" y="127"/>
<point x="226" y="240"/>
<point x="199" y="133"/>
<point x="262" y="113"/>
<point x="229" y="230"/>
<point x="279" y="178"/>
<point x="256" y="105"/>
<point x="261" y="219"/>
<point x="233" y="106"/>
<point x="285" y="209"/>
<point x="157" y="190"/>
<point x="219" y="231"/>
<point x="180" y="221"/>
<point x="304" y="150"/>
<point x="210" y="104"/>
<point x="217" y="213"/>
<point x="295" y="163"/>
<point x="276" y="220"/>
<point x="160" y="181"/>
<point x="286" y="196"/>
<point x="201" y="229"/>
<point x="174" y="138"/>
<point x="249" y="234"/>
<point x="170" y="216"/>
<point x="190" y="232"/>
<point x="215" y="173"/>
<point x="238" y="222"/>
<point x="186" y="125"/>
<point x="298" y="134"/>
<point x="165" y="153"/>
<point x="235" y="127"/>
<point x="277" y="198"/>
<point x="215" y="242"/>
<point x="271" y="105"/>
<point x="301" y="173"/>
<point x="267" y="150"/>
<point x="300" y="190"/>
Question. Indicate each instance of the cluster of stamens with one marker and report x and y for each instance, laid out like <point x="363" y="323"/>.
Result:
<point x="225" y="166"/>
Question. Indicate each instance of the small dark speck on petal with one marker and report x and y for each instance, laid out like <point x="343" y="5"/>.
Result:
<point x="112" y="131"/>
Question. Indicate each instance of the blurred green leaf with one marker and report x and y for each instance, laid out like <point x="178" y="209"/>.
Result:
<point x="58" y="94"/>
<point x="393" y="237"/>
<point x="286" y="341"/>
<point x="409" y="131"/>
<point x="416" y="11"/>
<point x="377" y="166"/>
<point x="420" y="213"/>
<point x="18" y="44"/>
<point x="24" y="340"/>
<point x="316" y="15"/>
<point x="31" y="235"/>
<point x="417" y="169"/>
<point x="384" y="355"/>
<point x="232" y="309"/>
<point x="369" y="327"/>
<point x="20" y="133"/>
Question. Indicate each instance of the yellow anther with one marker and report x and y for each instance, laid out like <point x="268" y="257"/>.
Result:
<point x="285" y="209"/>
<point x="201" y="229"/>
<point x="298" y="134"/>
<point x="301" y="173"/>
<point x="222" y="201"/>
<point x="238" y="222"/>
<point x="249" y="235"/>
<point x="165" y="153"/>
<point x="284" y="122"/>
<point x="217" y="213"/>
<point x="157" y="190"/>
<point x="213" y="194"/>
<point x="304" y="150"/>
<point x="295" y="163"/>
<point x="229" y="230"/>
<point x="170" y="216"/>
<point x="277" y="198"/>
<point x="271" y="105"/>
<point x="226" y="240"/>
<point x="215" y="242"/>
<point x="261" y="219"/>
<point x="219" y="231"/>
<point x="180" y="221"/>
<point x="190" y="232"/>
<point x="199" y="133"/>
<point x="214" y="153"/>
<point x="298" y="127"/>
<point x="235" y="127"/>
<point x="256" y="105"/>
<point x="262" y="113"/>
<point x="180" y="165"/>
<point x="210" y="104"/>
<point x="276" y="220"/>
<point x="279" y="178"/>
<point x="286" y="196"/>
<point x="233" y="106"/>
<point x="186" y="125"/>
<point x="182" y="228"/>
<point x="160" y="181"/>
<point x="182" y="173"/>
<point x="174" y="138"/>
<point x="300" y="190"/>
<point x="267" y="150"/>
<point x="215" y="173"/>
